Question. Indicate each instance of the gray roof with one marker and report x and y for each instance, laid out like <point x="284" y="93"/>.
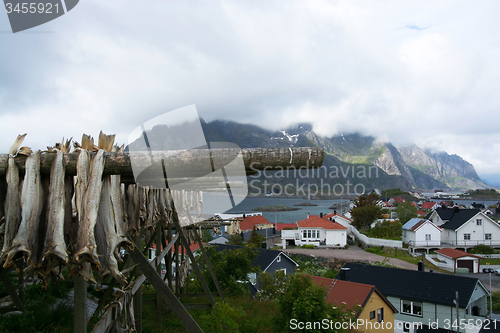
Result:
<point x="458" y="218"/>
<point x="414" y="285"/>
<point x="411" y="223"/>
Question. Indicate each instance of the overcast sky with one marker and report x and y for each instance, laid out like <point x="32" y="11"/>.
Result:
<point x="423" y="72"/>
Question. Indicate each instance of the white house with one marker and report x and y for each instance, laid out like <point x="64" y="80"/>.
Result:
<point x="316" y="230"/>
<point x="466" y="227"/>
<point x="345" y="221"/>
<point x="454" y="259"/>
<point x="421" y="232"/>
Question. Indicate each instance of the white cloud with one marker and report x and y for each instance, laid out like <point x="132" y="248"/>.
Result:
<point x="413" y="72"/>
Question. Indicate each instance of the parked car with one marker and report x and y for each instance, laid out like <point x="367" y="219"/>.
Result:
<point x="488" y="270"/>
<point x="497" y="271"/>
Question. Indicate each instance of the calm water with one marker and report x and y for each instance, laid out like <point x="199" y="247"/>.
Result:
<point x="466" y="203"/>
<point x="292" y="216"/>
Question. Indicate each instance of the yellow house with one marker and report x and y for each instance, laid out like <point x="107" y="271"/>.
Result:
<point x="375" y="314"/>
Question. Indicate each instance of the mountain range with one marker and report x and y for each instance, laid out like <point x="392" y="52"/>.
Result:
<point x="406" y="168"/>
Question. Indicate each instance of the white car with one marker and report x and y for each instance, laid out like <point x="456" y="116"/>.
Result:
<point x="497" y="271"/>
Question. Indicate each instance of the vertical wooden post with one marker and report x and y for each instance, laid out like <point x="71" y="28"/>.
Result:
<point x="138" y="294"/>
<point x="176" y="258"/>
<point x="80" y="305"/>
<point x="169" y="257"/>
<point x="21" y="279"/>
<point x="159" y="301"/>
<point x="186" y="277"/>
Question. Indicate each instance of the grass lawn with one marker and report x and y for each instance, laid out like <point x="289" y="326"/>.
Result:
<point x="401" y="254"/>
<point x="490" y="261"/>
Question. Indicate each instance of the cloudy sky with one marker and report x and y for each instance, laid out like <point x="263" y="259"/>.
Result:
<point x="423" y="72"/>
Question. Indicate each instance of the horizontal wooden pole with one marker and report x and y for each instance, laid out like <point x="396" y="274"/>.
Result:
<point x="185" y="163"/>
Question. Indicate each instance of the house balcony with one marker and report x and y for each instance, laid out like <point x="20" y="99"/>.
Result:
<point x="471" y="243"/>
<point x="430" y="243"/>
<point x="413" y="246"/>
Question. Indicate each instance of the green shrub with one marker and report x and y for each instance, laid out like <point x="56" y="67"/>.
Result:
<point x="482" y="249"/>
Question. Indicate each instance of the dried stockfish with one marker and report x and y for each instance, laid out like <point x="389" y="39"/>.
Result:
<point x="55" y="252"/>
<point x="110" y="214"/>
<point x="85" y="250"/>
<point x="12" y="201"/>
<point x="31" y="204"/>
<point x="133" y="210"/>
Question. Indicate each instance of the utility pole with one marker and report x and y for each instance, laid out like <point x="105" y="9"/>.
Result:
<point x="456" y="303"/>
<point x="491" y="293"/>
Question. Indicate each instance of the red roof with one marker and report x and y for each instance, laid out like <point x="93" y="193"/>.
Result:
<point x="251" y="221"/>
<point x="314" y="221"/>
<point x="351" y="293"/>
<point x="413" y="204"/>
<point x="421" y="213"/>
<point x="334" y="214"/>
<point x="428" y="205"/>
<point x="455" y="254"/>
<point x="399" y="200"/>
<point x="281" y="226"/>
<point x="194" y="246"/>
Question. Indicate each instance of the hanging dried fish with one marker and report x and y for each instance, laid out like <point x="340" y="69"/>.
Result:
<point x="31" y="204"/>
<point x="86" y="251"/>
<point x="133" y="210"/>
<point x="108" y="240"/>
<point x="55" y="252"/>
<point x="12" y="201"/>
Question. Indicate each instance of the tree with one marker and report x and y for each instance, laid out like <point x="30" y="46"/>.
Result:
<point x="365" y="211"/>
<point x="406" y="211"/>
<point x="206" y="235"/>
<point x="387" y="230"/>
<point x="270" y="287"/>
<point x="235" y="239"/>
<point x="255" y="239"/>
<point x="232" y="269"/>
<point x="305" y="302"/>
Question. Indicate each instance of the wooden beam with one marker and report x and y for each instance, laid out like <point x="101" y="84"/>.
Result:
<point x="159" y="302"/>
<point x="137" y="298"/>
<point x="80" y="305"/>
<point x="207" y="261"/>
<point x="12" y="292"/>
<point x="174" y="304"/>
<point x="196" y="268"/>
<point x="193" y="162"/>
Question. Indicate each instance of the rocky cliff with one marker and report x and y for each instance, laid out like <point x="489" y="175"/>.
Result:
<point x="404" y="167"/>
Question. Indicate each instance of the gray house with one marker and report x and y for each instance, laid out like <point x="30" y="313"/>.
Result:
<point x="268" y="260"/>
<point x="424" y="299"/>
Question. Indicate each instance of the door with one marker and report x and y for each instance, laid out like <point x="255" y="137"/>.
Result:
<point x="466" y="264"/>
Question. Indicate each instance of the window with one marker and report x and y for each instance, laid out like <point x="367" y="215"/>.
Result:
<point x="279" y="259"/>
<point x="412" y="308"/>
<point x="466" y="236"/>
<point x="487" y="236"/>
<point x="427" y="237"/>
<point x="380" y="315"/>
<point x="404" y="233"/>
<point x="372" y="315"/>
<point x="305" y="233"/>
<point x="309" y="234"/>
<point x="479" y="222"/>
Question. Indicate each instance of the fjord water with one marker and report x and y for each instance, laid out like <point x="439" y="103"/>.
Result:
<point x="249" y="203"/>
